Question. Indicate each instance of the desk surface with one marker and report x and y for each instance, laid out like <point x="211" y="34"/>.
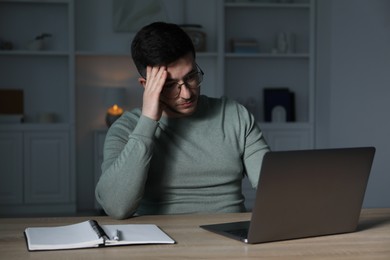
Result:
<point x="371" y="241"/>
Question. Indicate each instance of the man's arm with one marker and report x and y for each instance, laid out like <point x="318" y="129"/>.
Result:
<point x="125" y="167"/>
<point x="254" y="149"/>
<point x="127" y="154"/>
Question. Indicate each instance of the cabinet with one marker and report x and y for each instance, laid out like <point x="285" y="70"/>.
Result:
<point x="46" y="160"/>
<point x="35" y="172"/>
<point x="37" y="155"/>
<point x="248" y="72"/>
<point x="11" y="169"/>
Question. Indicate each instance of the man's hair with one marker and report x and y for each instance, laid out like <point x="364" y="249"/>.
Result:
<point x="160" y="43"/>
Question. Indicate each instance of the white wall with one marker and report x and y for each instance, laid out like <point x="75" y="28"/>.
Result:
<point x="353" y="82"/>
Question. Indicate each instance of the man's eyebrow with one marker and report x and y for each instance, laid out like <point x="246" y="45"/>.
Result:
<point x="189" y="73"/>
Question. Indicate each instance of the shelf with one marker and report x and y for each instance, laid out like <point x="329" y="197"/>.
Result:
<point x="109" y="53"/>
<point x="40" y="159"/>
<point x="267" y="5"/>
<point x="35" y="127"/>
<point x="268" y="55"/>
<point x="100" y="53"/>
<point x="34" y="53"/>
<point x="263" y="21"/>
<point x="37" y="1"/>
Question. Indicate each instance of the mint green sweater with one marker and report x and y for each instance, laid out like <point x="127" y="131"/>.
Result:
<point x="193" y="164"/>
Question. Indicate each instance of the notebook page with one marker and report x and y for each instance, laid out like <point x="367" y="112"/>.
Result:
<point x="79" y="235"/>
<point x="136" y="234"/>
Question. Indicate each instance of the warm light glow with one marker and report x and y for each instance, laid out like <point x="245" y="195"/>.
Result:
<point x="115" y="110"/>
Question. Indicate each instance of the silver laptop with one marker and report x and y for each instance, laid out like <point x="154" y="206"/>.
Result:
<point x="304" y="194"/>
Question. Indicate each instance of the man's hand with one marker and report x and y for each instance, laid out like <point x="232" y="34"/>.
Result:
<point x="155" y="79"/>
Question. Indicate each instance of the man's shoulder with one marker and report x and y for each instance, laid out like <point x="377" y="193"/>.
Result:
<point x="221" y="101"/>
<point x="133" y="114"/>
<point x="128" y="120"/>
<point x="228" y="108"/>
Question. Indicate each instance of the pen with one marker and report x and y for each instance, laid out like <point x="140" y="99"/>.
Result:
<point x="116" y="235"/>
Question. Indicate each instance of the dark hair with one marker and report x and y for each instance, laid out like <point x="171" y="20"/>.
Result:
<point x="160" y="43"/>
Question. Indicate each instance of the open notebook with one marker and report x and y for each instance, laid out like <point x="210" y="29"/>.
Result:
<point x="90" y="234"/>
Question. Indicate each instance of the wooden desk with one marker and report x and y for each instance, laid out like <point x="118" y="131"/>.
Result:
<point x="371" y="241"/>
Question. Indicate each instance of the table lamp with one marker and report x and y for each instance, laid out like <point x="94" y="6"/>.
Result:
<point x="114" y="99"/>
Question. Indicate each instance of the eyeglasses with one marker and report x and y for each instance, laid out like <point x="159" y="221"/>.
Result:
<point x="192" y="80"/>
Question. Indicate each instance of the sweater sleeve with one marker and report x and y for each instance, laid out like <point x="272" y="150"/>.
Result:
<point x="255" y="147"/>
<point x="128" y="150"/>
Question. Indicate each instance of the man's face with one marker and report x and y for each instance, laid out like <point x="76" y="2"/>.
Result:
<point x="186" y="102"/>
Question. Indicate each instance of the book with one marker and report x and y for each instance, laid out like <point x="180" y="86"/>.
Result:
<point x="244" y="45"/>
<point x="90" y="234"/>
<point x="279" y="98"/>
<point x="11" y="102"/>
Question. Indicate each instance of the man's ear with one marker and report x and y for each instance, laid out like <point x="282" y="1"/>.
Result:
<point x="142" y="81"/>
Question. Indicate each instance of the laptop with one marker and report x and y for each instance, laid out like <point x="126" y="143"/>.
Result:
<point x="303" y="194"/>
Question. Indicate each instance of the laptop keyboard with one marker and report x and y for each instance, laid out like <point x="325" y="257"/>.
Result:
<point x="242" y="232"/>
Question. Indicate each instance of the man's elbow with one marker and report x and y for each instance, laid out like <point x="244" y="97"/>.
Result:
<point x="119" y="214"/>
<point x="114" y="210"/>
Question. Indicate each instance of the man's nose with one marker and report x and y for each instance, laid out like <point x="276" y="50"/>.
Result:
<point x="185" y="92"/>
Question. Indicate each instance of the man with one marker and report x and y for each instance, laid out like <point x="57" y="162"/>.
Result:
<point x="182" y="152"/>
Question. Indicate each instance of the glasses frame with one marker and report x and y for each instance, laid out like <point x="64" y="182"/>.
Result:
<point x="199" y="70"/>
